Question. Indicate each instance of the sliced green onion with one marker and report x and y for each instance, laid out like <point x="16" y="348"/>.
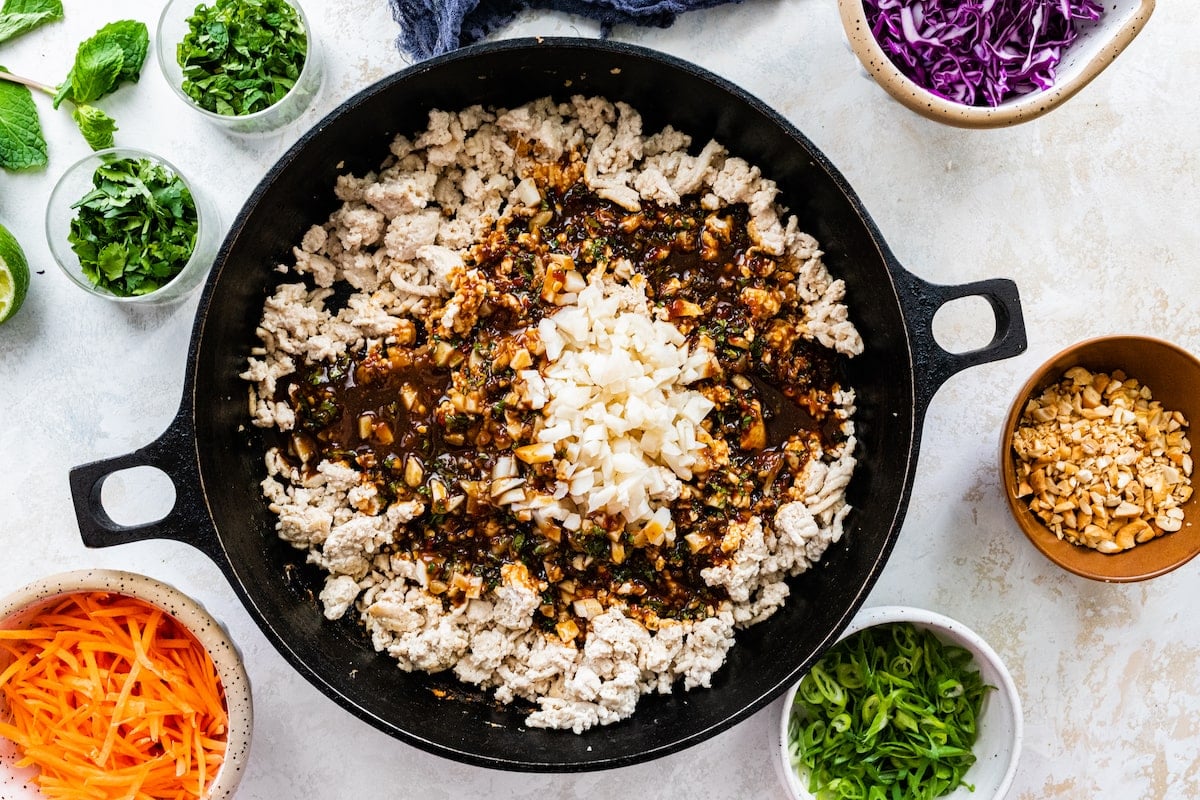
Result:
<point x="889" y="713"/>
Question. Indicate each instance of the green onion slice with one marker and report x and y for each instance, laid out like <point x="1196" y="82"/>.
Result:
<point x="889" y="713"/>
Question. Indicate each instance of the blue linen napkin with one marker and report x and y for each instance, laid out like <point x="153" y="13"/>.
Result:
<point x="432" y="27"/>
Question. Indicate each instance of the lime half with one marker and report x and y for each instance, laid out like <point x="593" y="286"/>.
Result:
<point x="14" y="275"/>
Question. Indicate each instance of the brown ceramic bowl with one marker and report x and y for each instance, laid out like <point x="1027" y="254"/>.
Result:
<point x="1173" y="375"/>
<point x="1098" y="45"/>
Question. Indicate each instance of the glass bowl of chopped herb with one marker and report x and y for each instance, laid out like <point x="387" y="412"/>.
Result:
<point x="988" y="63"/>
<point x="247" y="66"/>
<point x="907" y="704"/>
<point x="126" y="225"/>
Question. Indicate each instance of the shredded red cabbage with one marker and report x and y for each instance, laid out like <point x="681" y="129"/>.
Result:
<point x="978" y="52"/>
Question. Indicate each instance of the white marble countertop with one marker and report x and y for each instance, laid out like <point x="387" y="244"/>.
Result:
<point x="1092" y="210"/>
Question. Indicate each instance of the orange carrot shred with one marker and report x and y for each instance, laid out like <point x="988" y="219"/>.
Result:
<point x="112" y="699"/>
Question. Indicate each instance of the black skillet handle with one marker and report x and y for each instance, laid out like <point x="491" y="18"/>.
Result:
<point x="933" y="364"/>
<point x="188" y="520"/>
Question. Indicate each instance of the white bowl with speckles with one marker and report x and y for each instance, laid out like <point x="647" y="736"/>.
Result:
<point x="1001" y="727"/>
<point x="16" y="783"/>
<point x="1097" y="46"/>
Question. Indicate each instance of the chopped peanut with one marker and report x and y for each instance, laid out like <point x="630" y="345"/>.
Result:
<point x="1101" y="463"/>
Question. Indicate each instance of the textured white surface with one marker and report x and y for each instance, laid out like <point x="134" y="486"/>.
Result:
<point x="1092" y="210"/>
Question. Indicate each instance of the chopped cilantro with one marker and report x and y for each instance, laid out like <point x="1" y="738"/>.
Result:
<point x="135" y="230"/>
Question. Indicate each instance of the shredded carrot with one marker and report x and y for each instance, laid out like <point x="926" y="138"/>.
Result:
<point x="112" y="699"/>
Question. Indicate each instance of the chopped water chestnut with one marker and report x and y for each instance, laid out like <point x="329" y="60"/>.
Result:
<point x="580" y="416"/>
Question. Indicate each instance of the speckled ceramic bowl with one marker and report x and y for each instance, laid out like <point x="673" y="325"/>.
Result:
<point x="1173" y="375"/>
<point x="1098" y="45"/>
<point x="15" y="608"/>
<point x="1000" y="722"/>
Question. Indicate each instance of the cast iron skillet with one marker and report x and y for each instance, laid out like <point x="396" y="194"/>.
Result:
<point x="216" y="462"/>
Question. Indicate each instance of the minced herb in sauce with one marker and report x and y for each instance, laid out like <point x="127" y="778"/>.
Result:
<point x="433" y="415"/>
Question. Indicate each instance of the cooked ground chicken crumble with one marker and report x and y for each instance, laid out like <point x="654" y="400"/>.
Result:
<point x="579" y="416"/>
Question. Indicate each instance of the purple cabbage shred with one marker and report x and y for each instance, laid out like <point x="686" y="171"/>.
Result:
<point x="978" y="52"/>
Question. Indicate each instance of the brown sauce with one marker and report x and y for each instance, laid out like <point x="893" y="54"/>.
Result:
<point x="443" y="403"/>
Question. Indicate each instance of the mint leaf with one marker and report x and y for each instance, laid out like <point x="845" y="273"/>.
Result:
<point x="22" y="145"/>
<point x="64" y="90"/>
<point x="112" y="56"/>
<point x="96" y="126"/>
<point x="134" y="40"/>
<point x="97" y="68"/>
<point x="22" y="16"/>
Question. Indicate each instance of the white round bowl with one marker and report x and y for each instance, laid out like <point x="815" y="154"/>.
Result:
<point x="1001" y="727"/>
<point x="16" y="783"/>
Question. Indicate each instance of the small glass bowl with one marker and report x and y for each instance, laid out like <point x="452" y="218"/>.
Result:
<point x="18" y="606"/>
<point x="173" y="26"/>
<point x="77" y="182"/>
